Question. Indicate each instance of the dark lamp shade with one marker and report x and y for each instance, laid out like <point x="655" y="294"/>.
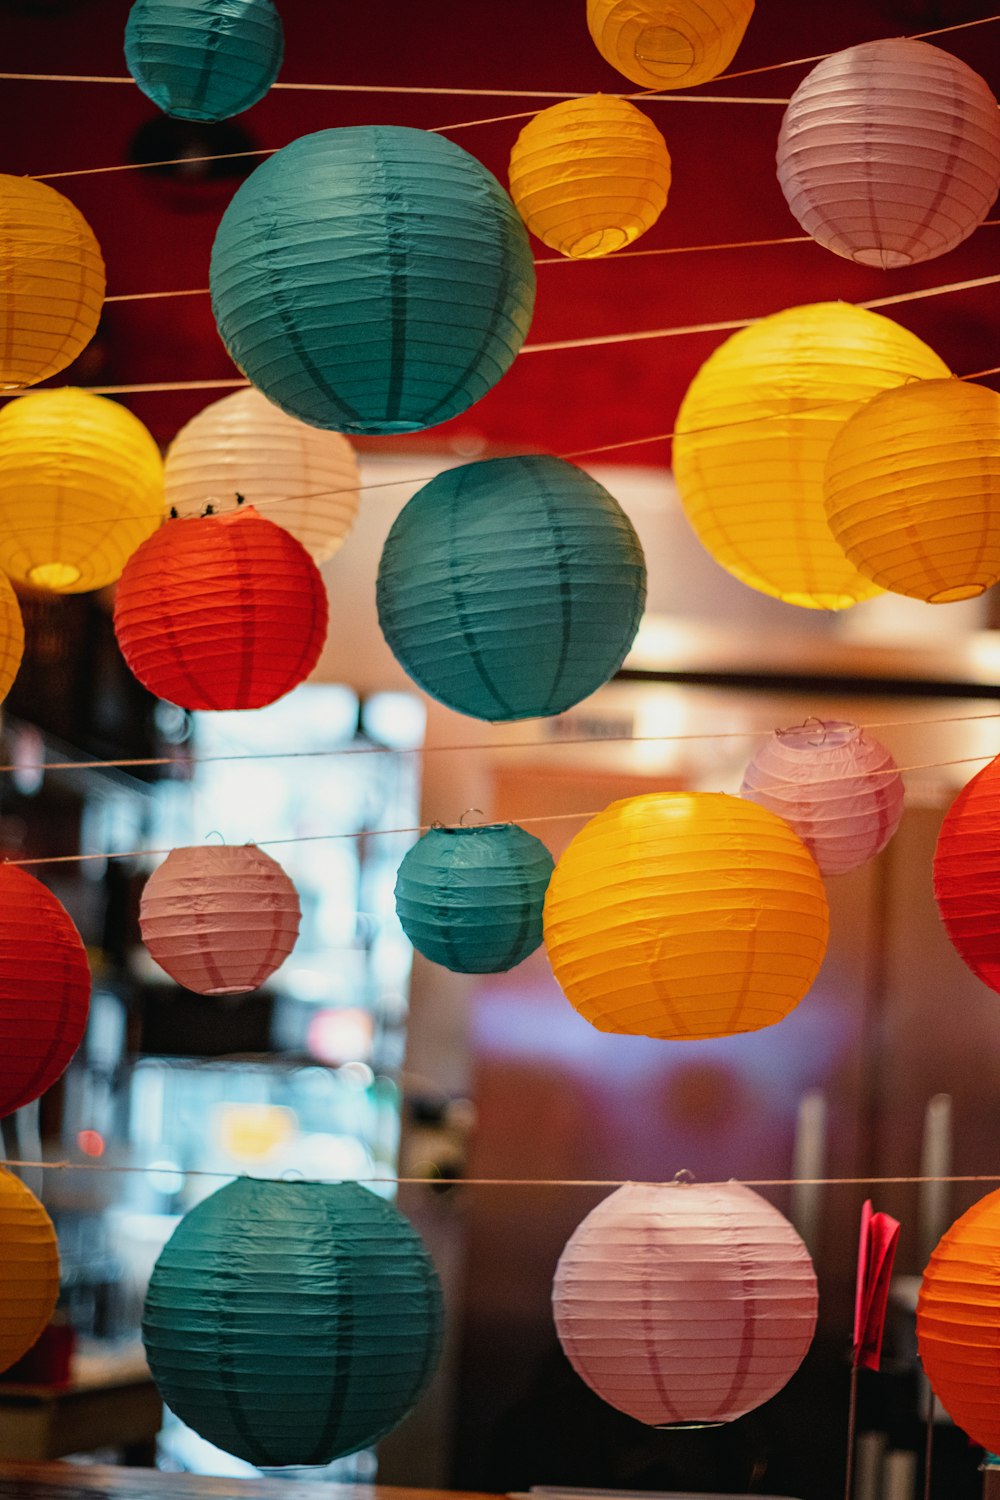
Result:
<point x="967" y="874"/>
<point x="204" y="59"/>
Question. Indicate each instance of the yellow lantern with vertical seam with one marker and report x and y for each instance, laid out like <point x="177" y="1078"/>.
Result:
<point x="668" y="44"/>
<point x="589" y="176"/>
<point x="29" y="1269"/>
<point x="754" y="432"/>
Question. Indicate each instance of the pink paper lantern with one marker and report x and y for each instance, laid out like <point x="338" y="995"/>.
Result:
<point x="889" y="153"/>
<point x="838" y="788"/>
<point x="685" y="1303"/>
<point x="219" y="919"/>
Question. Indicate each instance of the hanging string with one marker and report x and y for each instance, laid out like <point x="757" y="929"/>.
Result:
<point x="801" y="62"/>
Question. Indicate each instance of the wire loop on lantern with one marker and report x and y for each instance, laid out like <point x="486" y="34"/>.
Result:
<point x="462" y="823"/>
<point x="684" y="1177"/>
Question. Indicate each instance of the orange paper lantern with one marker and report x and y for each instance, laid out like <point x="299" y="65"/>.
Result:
<point x="29" y="1269"/>
<point x="967" y="874"/>
<point x="668" y="44"/>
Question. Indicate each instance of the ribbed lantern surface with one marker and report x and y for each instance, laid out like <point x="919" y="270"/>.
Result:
<point x="204" y="59"/>
<point x="292" y="1322"/>
<point x="511" y="588"/>
<point x="835" y="785"/>
<point x="11" y="637"/>
<point x="372" y="279"/>
<point x="685" y="915"/>
<point x="967" y="874"/>
<point x="301" y="478"/>
<point x="29" y="1269"/>
<point x="889" y="153"/>
<point x="668" y="44"/>
<point x="471" y="898"/>
<point x="685" y="1303"/>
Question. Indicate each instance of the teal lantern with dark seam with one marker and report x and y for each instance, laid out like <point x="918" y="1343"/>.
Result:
<point x="292" y="1322"/>
<point x="471" y="899"/>
<point x="511" y="588"/>
<point x="204" y="59"/>
<point x="372" y="279"/>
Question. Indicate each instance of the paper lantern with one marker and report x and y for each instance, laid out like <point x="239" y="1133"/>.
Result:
<point x="372" y="279"/>
<point x="837" y="786"/>
<point x="81" y="485"/>
<point x="219" y="919"/>
<point x="668" y="44"/>
<point x="301" y="478"/>
<point x="889" y="153"/>
<point x="685" y="1304"/>
<point x="511" y="588"/>
<point x="223" y="612"/>
<point x="11" y="637"/>
<point x="967" y="874"/>
<point x="292" y="1322"/>
<point x="589" y="176"/>
<point x="685" y="915"/>
<point x="471" y="898"/>
<point x="912" y="488"/>
<point x="204" y="59"/>
<point x="29" y="1269"/>
<point x="53" y="282"/>
<point x="754" y="432"/>
<point x="44" y="988"/>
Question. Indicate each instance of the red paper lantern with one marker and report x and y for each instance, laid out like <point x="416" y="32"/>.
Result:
<point x="221" y="612"/>
<point x="967" y="874"/>
<point x="44" y="988"/>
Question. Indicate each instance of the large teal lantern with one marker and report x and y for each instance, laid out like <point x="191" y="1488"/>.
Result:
<point x="512" y="588"/>
<point x="372" y="279"/>
<point x="471" y="898"/>
<point x="204" y="59"/>
<point x="292" y="1322"/>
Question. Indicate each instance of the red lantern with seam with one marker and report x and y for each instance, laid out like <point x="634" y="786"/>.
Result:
<point x="44" y="988"/>
<point x="967" y="874"/>
<point x="221" y="612"/>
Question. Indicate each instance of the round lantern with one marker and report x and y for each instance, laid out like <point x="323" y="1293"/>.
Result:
<point x="44" y="988"/>
<point x="303" y="479"/>
<point x="219" y="919"/>
<point x="223" y="612"/>
<point x="81" y="485"/>
<point x="967" y="874"/>
<point x="590" y="175"/>
<point x="204" y="59"/>
<point x="292" y="1322"/>
<point x="372" y="279"/>
<point x="471" y="898"/>
<point x="835" y="785"/>
<point x="685" y="1304"/>
<point x="11" y="637"/>
<point x="753" y="435"/>
<point x="29" y="1269"/>
<point x="912" y="487"/>
<point x="889" y="153"/>
<point x="685" y="915"/>
<point x="53" y="282"/>
<point x="668" y="44"/>
<point x="511" y="588"/>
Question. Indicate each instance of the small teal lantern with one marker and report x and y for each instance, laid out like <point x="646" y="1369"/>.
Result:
<point x="372" y="279"/>
<point x="471" y="898"/>
<point x="512" y="588"/>
<point x="292" y="1322"/>
<point x="204" y="59"/>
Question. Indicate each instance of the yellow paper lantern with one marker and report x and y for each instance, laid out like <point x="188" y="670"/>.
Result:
<point x="588" y="176"/>
<point x="668" y="44"/>
<point x="81" y="485"/>
<point x="685" y="915"/>
<point x="11" y="637"/>
<point x="912" y="490"/>
<point x="52" y="288"/>
<point x="754" y="432"/>
<point x="29" y="1269"/>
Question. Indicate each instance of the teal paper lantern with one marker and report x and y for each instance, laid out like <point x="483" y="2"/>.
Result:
<point x="471" y="899"/>
<point x="372" y="279"/>
<point x="512" y="588"/>
<point x="292" y="1322"/>
<point x="204" y="59"/>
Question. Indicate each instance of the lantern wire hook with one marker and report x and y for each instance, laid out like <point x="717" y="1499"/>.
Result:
<point x="806" y="722"/>
<point x="215" y="834"/>
<point x="684" y="1178"/>
<point x="463" y="824"/>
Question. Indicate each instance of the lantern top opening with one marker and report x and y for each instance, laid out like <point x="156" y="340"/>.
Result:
<point x="828" y="734"/>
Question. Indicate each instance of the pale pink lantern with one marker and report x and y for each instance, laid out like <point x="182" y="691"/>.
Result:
<point x="219" y="919"/>
<point x="889" y="153"/>
<point x="685" y="1304"/>
<point x="838" y="787"/>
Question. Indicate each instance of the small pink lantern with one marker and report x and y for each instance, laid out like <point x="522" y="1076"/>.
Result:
<point x="219" y="919"/>
<point x="685" y="1304"/>
<point x="838" y="788"/>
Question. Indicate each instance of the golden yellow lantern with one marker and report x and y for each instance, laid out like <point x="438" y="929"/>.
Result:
<point x="588" y="176"/>
<point x="11" y="637"/>
<point x="81" y="485"/>
<point x="52" y="289"/>
<point x="668" y="44"/>
<point x="685" y="915"/>
<point x="29" y="1269"/>
<point x="912" y="490"/>
<point x="754" y="432"/>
